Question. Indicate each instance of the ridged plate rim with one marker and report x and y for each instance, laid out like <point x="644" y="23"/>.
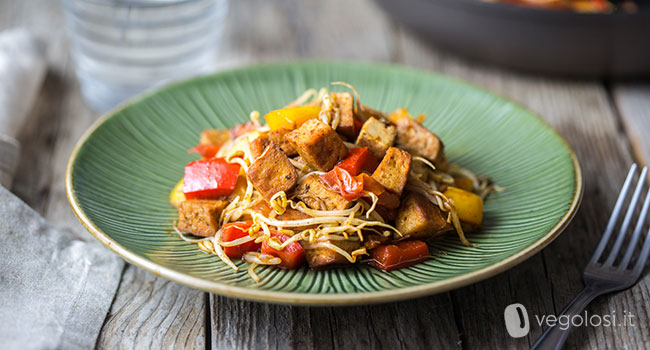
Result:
<point x="322" y="299"/>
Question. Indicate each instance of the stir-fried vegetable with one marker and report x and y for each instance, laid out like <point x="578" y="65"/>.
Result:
<point x="290" y="118"/>
<point x="292" y="256"/>
<point x="468" y="205"/>
<point x="209" y="178"/>
<point x="242" y="129"/>
<point x="359" y="160"/>
<point x="234" y="231"/>
<point x="351" y="187"/>
<point x="401" y="254"/>
<point x="177" y="196"/>
<point x="206" y="151"/>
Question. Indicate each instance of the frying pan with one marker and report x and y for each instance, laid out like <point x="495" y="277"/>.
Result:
<point x="565" y="43"/>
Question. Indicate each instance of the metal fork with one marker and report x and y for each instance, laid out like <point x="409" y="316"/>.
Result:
<point x="604" y="277"/>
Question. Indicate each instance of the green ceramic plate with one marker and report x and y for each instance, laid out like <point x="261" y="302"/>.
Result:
<point x="120" y="174"/>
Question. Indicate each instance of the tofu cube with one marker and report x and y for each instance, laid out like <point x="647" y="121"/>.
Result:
<point x="214" y="137"/>
<point x="200" y="217"/>
<point x="272" y="172"/>
<point x="419" y="218"/>
<point x="344" y="105"/>
<point x="317" y="195"/>
<point x="374" y="240"/>
<point x="387" y="205"/>
<point x="318" y="144"/>
<point x="293" y="214"/>
<point x="259" y="144"/>
<point x="393" y="170"/>
<point x="319" y="258"/>
<point x="418" y="140"/>
<point x="376" y="136"/>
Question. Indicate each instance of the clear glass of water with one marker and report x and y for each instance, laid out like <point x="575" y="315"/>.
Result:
<point x="124" y="47"/>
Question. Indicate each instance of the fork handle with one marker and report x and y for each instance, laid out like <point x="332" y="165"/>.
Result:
<point x="555" y="336"/>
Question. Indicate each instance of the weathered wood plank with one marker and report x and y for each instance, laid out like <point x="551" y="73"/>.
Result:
<point x="150" y="312"/>
<point x="633" y="103"/>
<point x="581" y="112"/>
<point x="259" y="31"/>
<point x="422" y="323"/>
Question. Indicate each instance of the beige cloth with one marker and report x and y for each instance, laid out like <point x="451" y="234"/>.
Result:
<point x="55" y="290"/>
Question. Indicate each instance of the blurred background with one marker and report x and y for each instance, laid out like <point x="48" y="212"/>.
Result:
<point x="118" y="48"/>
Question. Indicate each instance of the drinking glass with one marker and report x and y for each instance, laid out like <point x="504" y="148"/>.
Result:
<point x="123" y="47"/>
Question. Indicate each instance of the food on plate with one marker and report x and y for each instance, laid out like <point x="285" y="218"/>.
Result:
<point x="588" y="6"/>
<point x="326" y="182"/>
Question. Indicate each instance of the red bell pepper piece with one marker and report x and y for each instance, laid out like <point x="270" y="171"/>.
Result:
<point x="209" y="178"/>
<point x="339" y="179"/>
<point x="206" y="151"/>
<point x="359" y="160"/>
<point x="241" y="129"/>
<point x="357" y="126"/>
<point x="351" y="187"/>
<point x="236" y="230"/>
<point x="401" y="254"/>
<point x="292" y="256"/>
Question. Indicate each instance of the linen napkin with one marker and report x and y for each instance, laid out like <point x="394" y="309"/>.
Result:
<point x="55" y="290"/>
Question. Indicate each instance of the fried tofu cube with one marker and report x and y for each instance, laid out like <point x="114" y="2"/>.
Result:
<point x="259" y="144"/>
<point x="388" y="214"/>
<point x="376" y="136"/>
<point x="214" y="137"/>
<point x="316" y="195"/>
<point x="367" y="112"/>
<point x="393" y="170"/>
<point x="318" y="144"/>
<point x="293" y="214"/>
<point x="200" y="217"/>
<point x="240" y="188"/>
<point x="417" y="139"/>
<point x="387" y="205"/>
<point x="343" y="104"/>
<point x="319" y="258"/>
<point x="272" y="172"/>
<point x="419" y="218"/>
<point x="374" y="240"/>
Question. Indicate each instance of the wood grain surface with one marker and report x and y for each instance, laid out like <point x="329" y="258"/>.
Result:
<point x="604" y="123"/>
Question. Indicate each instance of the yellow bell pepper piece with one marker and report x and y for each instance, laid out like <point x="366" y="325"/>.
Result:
<point x="290" y="118"/>
<point x="468" y="205"/>
<point x="399" y="114"/>
<point x="177" y="196"/>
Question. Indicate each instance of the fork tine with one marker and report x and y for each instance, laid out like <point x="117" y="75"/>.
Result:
<point x="643" y="257"/>
<point x="628" y="218"/>
<point x="612" y="219"/>
<point x="636" y="235"/>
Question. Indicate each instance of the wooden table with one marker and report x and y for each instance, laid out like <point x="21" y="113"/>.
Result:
<point x="603" y="121"/>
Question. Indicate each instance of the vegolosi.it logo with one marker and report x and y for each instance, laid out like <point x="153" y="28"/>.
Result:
<point x="518" y="323"/>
